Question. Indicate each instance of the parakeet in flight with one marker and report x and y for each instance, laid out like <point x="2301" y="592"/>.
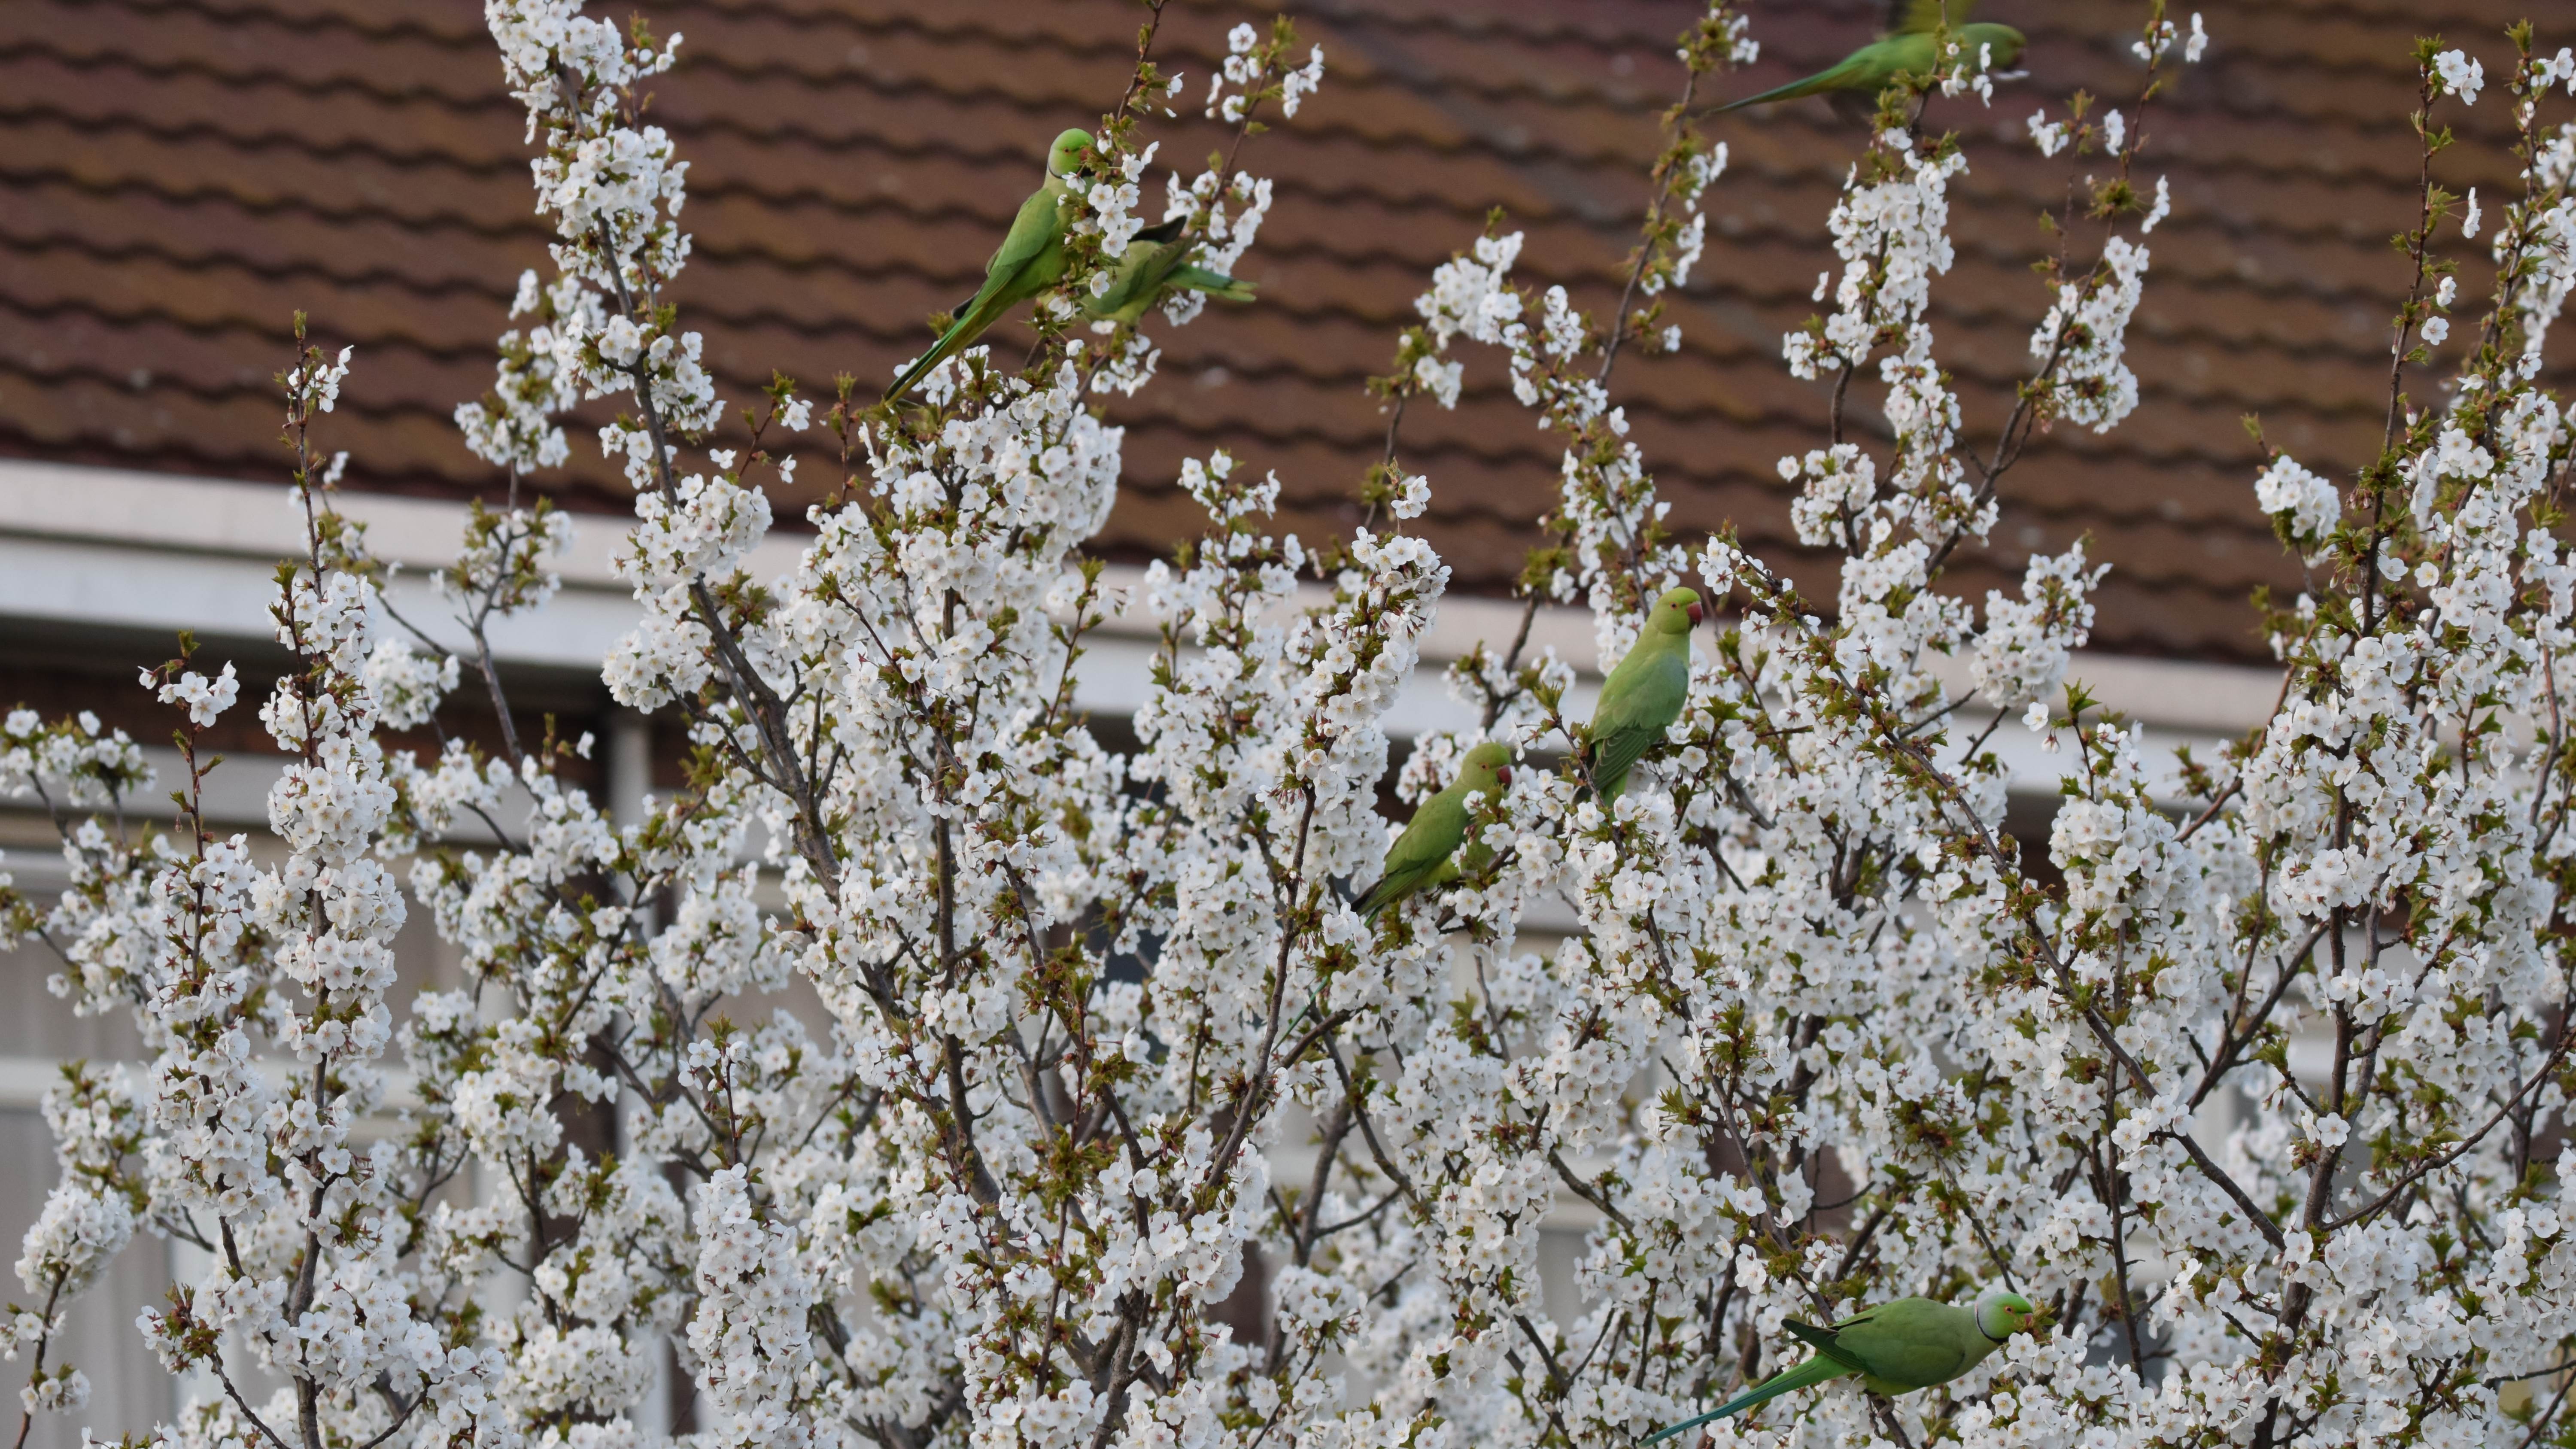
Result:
<point x="1420" y="856"/>
<point x="1030" y="260"/>
<point x="1909" y="46"/>
<point x="1152" y="267"/>
<point x="1896" y="1348"/>
<point x="1644" y="695"/>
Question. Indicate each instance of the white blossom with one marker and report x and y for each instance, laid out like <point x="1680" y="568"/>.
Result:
<point x="963" y="1057"/>
<point x="2460" y="75"/>
<point x="2307" y="504"/>
<point x="204" y="699"/>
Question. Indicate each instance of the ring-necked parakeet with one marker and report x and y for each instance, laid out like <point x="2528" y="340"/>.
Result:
<point x="1030" y="260"/>
<point x="1152" y="267"/>
<point x="1896" y="1348"/>
<point x="1909" y="46"/>
<point x="1644" y="695"/>
<point x="1420" y="856"/>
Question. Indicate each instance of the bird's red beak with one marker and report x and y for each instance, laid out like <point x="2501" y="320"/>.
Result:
<point x="1696" y="614"/>
<point x="1503" y="777"/>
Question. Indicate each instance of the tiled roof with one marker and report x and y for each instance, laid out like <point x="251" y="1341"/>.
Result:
<point x="180" y="175"/>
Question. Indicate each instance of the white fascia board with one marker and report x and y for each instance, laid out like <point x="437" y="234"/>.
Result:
<point x="156" y="552"/>
<point x="108" y="547"/>
<point x="229" y="518"/>
<point x="2166" y="695"/>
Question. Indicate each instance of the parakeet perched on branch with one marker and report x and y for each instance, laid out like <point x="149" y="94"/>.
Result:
<point x="1896" y="1348"/>
<point x="1030" y="260"/>
<point x="1420" y="856"/>
<point x="1152" y="267"/>
<point x="1909" y="46"/>
<point x="1645" y="693"/>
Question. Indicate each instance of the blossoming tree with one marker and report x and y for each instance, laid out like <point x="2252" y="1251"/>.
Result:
<point x="1816" y="1037"/>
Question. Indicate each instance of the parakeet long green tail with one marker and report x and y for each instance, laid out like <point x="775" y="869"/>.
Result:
<point x="970" y="325"/>
<point x="1817" y="1370"/>
<point x="1850" y="74"/>
<point x="1395" y="887"/>
<point x="1215" y="284"/>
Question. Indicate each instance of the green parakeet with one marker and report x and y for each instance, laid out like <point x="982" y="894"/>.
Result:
<point x="1420" y="856"/>
<point x="1909" y="46"/>
<point x="1644" y="695"/>
<point x="1896" y="1348"/>
<point x="1152" y="267"/>
<point x="1030" y="260"/>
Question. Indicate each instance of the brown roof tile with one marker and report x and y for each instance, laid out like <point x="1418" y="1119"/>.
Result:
<point x="182" y="174"/>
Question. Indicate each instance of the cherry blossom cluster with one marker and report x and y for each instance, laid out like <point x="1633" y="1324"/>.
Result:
<point x="937" y="1066"/>
<point x="2260" y="1100"/>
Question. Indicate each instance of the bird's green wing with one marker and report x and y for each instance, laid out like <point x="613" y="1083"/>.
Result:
<point x="1149" y="260"/>
<point x="1922" y="17"/>
<point x="1038" y="227"/>
<point x="1151" y="267"/>
<point x="1150" y="271"/>
<point x="1035" y="232"/>
<point x="1419" y="853"/>
<point x="1133" y="286"/>
<point x="1912" y="1343"/>
<point x="1639" y="701"/>
<point x="1827" y="1342"/>
<point x="1019" y="270"/>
